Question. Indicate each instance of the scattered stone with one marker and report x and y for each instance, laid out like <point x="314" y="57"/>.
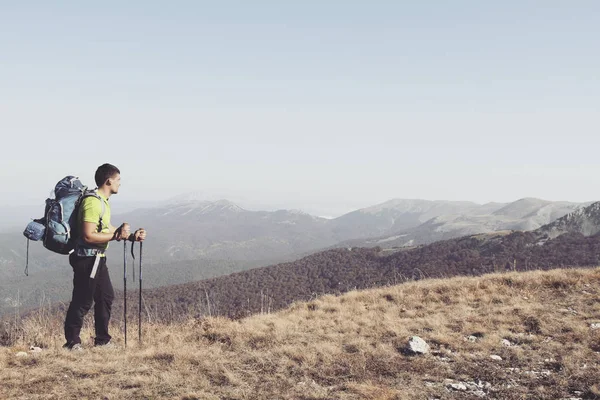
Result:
<point x="595" y="325"/>
<point x="506" y="343"/>
<point x="472" y="338"/>
<point x="416" y="345"/>
<point x="475" y="388"/>
<point x="483" y="385"/>
<point x="22" y="354"/>
<point x="34" y="349"/>
<point x="568" y="310"/>
<point x="537" y="374"/>
<point x="461" y="387"/>
<point x="496" y="358"/>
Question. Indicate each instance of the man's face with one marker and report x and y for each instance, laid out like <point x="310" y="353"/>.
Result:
<point x="115" y="183"/>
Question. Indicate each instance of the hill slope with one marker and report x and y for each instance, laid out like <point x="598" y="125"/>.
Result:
<point x="540" y="325"/>
<point x="341" y="270"/>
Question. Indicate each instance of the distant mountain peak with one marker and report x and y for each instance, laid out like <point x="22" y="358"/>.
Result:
<point x="189" y="206"/>
<point x="531" y="200"/>
<point x="191" y="197"/>
<point x="296" y="211"/>
<point x="584" y="220"/>
<point x="224" y="204"/>
<point x="525" y="206"/>
<point x="414" y="205"/>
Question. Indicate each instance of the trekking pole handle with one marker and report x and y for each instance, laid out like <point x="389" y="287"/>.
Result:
<point x="125" y="228"/>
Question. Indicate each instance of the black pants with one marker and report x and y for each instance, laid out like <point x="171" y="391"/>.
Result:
<point x="86" y="291"/>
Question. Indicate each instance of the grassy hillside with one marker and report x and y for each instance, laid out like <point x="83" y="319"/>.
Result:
<point x="350" y="346"/>
<point x="341" y="270"/>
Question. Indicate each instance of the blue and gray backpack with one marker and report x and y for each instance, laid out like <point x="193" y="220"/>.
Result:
<point x="58" y="228"/>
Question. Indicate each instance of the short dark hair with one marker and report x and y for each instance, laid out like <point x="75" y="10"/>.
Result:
<point x="104" y="173"/>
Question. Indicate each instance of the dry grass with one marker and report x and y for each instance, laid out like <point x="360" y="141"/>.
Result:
<point x="346" y="347"/>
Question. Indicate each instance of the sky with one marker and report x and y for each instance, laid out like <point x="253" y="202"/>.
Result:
<point x="324" y="106"/>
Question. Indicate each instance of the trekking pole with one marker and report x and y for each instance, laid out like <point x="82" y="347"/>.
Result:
<point x="140" y="300"/>
<point x="125" y="289"/>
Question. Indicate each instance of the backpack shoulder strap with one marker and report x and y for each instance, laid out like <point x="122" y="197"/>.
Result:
<point x="92" y="193"/>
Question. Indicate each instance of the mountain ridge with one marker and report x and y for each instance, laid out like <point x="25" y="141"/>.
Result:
<point x="205" y="235"/>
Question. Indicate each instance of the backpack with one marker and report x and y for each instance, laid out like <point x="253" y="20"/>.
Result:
<point x="58" y="228"/>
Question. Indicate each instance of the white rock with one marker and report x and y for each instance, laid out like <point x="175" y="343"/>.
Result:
<point x="483" y="384"/>
<point x="595" y="325"/>
<point x="34" y="349"/>
<point x="458" y="386"/>
<point x="22" y="354"/>
<point x="496" y="358"/>
<point x="506" y="343"/>
<point x="472" y="338"/>
<point x="417" y="345"/>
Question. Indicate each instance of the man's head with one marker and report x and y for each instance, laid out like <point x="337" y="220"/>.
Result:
<point x="109" y="176"/>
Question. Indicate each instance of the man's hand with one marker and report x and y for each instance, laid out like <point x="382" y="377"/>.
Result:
<point x="123" y="232"/>
<point x="139" y="235"/>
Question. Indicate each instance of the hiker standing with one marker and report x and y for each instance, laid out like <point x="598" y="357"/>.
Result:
<point x="91" y="281"/>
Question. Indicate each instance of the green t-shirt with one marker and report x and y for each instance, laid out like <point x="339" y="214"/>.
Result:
<point x="90" y="211"/>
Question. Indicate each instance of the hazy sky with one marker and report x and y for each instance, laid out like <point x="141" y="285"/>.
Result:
<point x="323" y="105"/>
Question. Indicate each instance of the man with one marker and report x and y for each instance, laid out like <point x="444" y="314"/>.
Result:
<point x="91" y="282"/>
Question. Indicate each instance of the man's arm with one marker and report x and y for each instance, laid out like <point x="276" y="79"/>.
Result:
<point x="92" y="236"/>
<point x="90" y="212"/>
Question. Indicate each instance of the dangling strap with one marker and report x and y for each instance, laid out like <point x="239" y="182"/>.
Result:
<point x="133" y="255"/>
<point x="95" y="267"/>
<point x="27" y="260"/>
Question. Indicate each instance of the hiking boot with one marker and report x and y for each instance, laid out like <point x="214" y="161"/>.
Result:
<point x="106" y="346"/>
<point x="73" y="347"/>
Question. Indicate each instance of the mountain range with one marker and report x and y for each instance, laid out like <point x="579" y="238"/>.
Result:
<point x="341" y="270"/>
<point x="191" y="239"/>
<point x="430" y="225"/>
